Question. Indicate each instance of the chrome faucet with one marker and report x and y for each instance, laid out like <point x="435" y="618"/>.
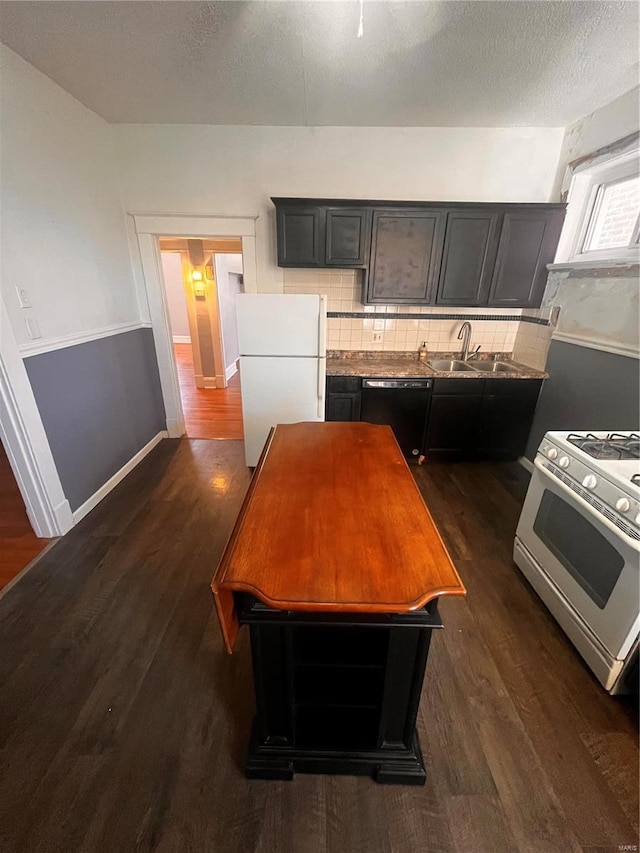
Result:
<point x="464" y="335"/>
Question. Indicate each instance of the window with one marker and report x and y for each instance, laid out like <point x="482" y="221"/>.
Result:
<point x="603" y="215"/>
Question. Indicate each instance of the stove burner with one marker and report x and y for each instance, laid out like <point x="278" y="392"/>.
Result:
<point x="612" y="447"/>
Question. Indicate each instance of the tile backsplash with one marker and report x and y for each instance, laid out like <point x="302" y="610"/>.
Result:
<point x="438" y="326"/>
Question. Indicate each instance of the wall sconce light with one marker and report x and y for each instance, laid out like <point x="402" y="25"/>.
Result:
<point x="198" y="284"/>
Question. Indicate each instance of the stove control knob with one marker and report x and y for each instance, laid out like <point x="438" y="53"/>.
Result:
<point x="638" y="519"/>
<point x="589" y="481"/>
<point x="623" y="504"/>
<point x="552" y="453"/>
<point x="563" y="462"/>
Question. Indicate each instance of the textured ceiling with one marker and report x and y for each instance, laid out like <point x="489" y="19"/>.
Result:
<point x="482" y="64"/>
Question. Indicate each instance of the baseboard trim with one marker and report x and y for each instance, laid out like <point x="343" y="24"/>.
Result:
<point x="182" y="339"/>
<point x="103" y="491"/>
<point x="527" y="464"/>
<point x="231" y="370"/>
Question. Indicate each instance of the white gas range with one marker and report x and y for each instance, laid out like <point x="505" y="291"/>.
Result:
<point x="578" y="544"/>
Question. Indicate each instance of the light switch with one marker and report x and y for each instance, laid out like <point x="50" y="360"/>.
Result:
<point x="24" y="300"/>
<point x="33" y="328"/>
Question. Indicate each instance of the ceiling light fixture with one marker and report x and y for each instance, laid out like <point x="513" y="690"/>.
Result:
<point x="361" y="21"/>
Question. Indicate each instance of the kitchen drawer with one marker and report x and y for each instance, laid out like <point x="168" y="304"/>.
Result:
<point x="513" y="387"/>
<point x="466" y="387"/>
<point x="343" y="384"/>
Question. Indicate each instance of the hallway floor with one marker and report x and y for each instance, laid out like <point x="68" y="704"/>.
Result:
<point x="18" y="543"/>
<point x="208" y="412"/>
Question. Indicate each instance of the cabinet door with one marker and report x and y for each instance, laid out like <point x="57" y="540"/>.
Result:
<point x="453" y="426"/>
<point x="528" y="243"/>
<point x="347" y="236"/>
<point x="470" y="246"/>
<point x="300" y="236"/>
<point x="343" y="407"/>
<point x="505" y="417"/>
<point x="406" y="252"/>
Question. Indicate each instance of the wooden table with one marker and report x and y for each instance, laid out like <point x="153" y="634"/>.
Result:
<point x="336" y="565"/>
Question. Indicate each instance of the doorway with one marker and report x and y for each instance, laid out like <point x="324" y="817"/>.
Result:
<point x="201" y="280"/>
<point x="19" y="545"/>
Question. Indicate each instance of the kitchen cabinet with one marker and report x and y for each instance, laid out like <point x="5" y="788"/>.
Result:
<point x="406" y="250"/>
<point x="300" y="231"/>
<point x="528" y="242"/>
<point x="470" y="246"/>
<point x="452" y="425"/>
<point x="347" y="236"/>
<point x="426" y="253"/>
<point x="343" y="398"/>
<point x="317" y="235"/>
<point x="506" y="414"/>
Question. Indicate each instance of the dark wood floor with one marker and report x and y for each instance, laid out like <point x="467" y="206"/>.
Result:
<point x="123" y="724"/>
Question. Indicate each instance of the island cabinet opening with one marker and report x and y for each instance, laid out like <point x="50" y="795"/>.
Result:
<point x="340" y="624"/>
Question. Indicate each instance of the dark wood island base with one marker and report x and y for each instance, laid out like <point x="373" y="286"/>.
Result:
<point x="337" y="693"/>
<point x="336" y="567"/>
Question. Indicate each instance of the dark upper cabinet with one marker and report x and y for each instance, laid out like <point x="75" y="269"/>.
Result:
<point x="316" y="235"/>
<point x="347" y="236"/>
<point x="470" y="246"/>
<point x="300" y="236"/>
<point x="406" y="250"/>
<point x="528" y="242"/>
<point x="422" y="253"/>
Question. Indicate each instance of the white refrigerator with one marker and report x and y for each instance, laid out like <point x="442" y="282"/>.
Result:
<point x="282" y="343"/>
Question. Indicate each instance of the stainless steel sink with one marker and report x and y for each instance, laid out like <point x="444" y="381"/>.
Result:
<point x="494" y="367"/>
<point x="447" y="366"/>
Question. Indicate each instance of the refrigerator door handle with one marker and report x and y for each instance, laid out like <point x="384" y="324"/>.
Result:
<point x="322" y="327"/>
<point x="322" y="371"/>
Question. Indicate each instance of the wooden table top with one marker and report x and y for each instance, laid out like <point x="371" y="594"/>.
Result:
<point x="333" y="521"/>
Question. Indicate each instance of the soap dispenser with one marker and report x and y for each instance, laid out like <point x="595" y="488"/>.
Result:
<point x="423" y="352"/>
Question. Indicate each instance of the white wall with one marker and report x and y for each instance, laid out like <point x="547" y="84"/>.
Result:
<point x="608" y="124"/>
<point x="234" y="170"/>
<point x="174" y="288"/>
<point x="63" y="228"/>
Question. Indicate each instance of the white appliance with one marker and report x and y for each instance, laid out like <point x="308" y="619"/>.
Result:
<point x="578" y="544"/>
<point x="282" y="343"/>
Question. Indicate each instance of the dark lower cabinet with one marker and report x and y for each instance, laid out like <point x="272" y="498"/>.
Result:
<point x="487" y="419"/>
<point x="505" y="417"/>
<point x="337" y="692"/>
<point x="343" y="398"/>
<point x="453" y="420"/>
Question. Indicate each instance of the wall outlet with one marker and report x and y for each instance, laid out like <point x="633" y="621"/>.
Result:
<point x="33" y="328"/>
<point x="377" y="337"/>
<point x="24" y="300"/>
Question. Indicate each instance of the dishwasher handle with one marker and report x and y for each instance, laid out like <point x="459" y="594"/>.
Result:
<point x="397" y="383"/>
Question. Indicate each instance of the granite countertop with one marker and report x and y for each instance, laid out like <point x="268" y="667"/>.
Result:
<point x="405" y="365"/>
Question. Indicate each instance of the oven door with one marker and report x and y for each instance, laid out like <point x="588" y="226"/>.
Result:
<point x="593" y="563"/>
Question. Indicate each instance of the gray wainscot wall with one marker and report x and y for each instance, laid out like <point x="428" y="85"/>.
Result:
<point x="587" y="389"/>
<point x="591" y="388"/>
<point x="100" y="403"/>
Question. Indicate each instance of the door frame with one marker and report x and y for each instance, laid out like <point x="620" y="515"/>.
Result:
<point x="25" y="441"/>
<point x="149" y="228"/>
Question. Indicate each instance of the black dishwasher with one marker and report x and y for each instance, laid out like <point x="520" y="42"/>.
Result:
<point x="401" y="403"/>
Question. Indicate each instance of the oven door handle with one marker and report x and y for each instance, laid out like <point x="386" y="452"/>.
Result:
<point x="590" y="510"/>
